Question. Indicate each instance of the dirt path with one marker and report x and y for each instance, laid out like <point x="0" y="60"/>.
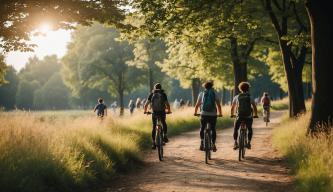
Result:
<point x="184" y="169"/>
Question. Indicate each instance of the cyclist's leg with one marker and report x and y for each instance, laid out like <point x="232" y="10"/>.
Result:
<point x="203" y="122"/>
<point x="165" y="126"/>
<point x="212" y="121"/>
<point x="249" y="123"/>
<point x="236" y="127"/>
<point x="153" y="133"/>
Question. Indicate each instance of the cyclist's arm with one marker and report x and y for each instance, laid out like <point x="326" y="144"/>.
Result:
<point x="146" y="106"/>
<point x="254" y="109"/>
<point x="219" y="108"/>
<point x="168" y="108"/>
<point x="197" y="105"/>
<point x="233" y="107"/>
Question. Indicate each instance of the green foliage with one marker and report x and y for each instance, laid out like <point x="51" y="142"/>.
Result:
<point x="3" y="68"/>
<point x="18" y="18"/>
<point x="8" y="90"/>
<point x="25" y="93"/>
<point x="98" y="59"/>
<point x="53" y="94"/>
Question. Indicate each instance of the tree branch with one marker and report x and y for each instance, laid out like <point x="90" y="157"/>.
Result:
<point x="273" y="17"/>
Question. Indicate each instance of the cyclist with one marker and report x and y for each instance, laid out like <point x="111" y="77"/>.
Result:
<point x="266" y="104"/>
<point x="160" y="106"/>
<point x="243" y="102"/>
<point x="208" y="102"/>
<point x="100" y="108"/>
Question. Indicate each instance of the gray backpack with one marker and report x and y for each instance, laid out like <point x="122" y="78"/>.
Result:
<point x="158" y="102"/>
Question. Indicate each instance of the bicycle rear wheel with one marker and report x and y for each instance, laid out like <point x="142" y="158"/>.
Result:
<point x="241" y="145"/>
<point x="159" y="143"/>
<point x="207" y="147"/>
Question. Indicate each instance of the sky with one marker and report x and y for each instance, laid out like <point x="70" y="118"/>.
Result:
<point x="52" y="42"/>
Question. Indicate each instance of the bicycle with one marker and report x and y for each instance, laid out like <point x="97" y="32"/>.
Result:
<point x="265" y="115"/>
<point x="159" y="135"/>
<point x="207" y="141"/>
<point x="242" y="138"/>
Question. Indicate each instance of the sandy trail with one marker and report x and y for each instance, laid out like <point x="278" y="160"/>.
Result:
<point x="184" y="169"/>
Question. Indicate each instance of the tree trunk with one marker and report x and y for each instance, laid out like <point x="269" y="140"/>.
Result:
<point x="320" y="14"/>
<point x="195" y="90"/>
<point x="150" y="80"/>
<point x="121" y="93"/>
<point x="239" y="65"/>
<point x="293" y="72"/>
<point x="293" y="65"/>
<point x="223" y="99"/>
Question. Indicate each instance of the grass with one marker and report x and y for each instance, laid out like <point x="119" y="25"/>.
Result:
<point x="310" y="157"/>
<point x="72" y="150"/>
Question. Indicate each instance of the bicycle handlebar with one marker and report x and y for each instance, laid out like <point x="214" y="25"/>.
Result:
<point x="198" y="115"/>
<point x="149" y="113"/>
<point x="234" y="116"/>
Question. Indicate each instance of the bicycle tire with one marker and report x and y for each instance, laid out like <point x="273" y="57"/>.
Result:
<point x="159" y="144"/>
<point x="244" y="143"/>
<point x="209" y="145"/>
<point x="241" y="146"/>
<point x="206" y="147"/>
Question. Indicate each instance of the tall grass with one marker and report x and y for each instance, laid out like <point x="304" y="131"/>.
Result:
<point x="311" y="157"/>
<point x="48" y="151"/>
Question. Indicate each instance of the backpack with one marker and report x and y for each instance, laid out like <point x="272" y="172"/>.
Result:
<point x="208" y="101"/>
<point x="158" y="102"/>
<point x="244" y="105"/>
<point x="265" y="101"/>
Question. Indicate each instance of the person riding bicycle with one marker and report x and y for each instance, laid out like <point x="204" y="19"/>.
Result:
<point x="243" y="102"/>
<point x="266" y="104"/>
<point x="208" y="102"/>
<point x="160" y="106"/>
<point x="101" y="108"/>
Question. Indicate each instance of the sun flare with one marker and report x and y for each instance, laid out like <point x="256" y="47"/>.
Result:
<point x="44" y="28"/>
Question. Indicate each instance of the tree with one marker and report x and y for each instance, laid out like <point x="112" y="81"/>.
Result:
<point x="98" y="59"/>
<point x="53" y="94"/>
<point x="3" y="68"/>
<point x="147" y="53"/>
<point x="231" y="27"/>
<point x="40" y="69"/>
<point x="18" y="18"/>
<point x="8" y="90"/>
<point x="320" y="14"/>
<point x="283" y="15"/>
<point x="25" y="94"/>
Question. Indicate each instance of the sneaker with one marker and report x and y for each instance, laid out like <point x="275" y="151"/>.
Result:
<point x="165" y="139"/>
<point x="248" y="145"/>
<point x="236" y="145"/>
<point x="201" y="146"/>
<point x="214" y="148"/>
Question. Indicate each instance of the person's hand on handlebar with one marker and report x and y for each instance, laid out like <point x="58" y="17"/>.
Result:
<point x="219" y="115"/>
<point x="255" y="116"/>
<point x="232" y="116"/>
<point x="196" y="114"/>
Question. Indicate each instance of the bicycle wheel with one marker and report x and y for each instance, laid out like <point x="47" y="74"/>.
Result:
<point x="207" y="147"/>
<point x="241" y="145"/>
<point x="244" y="143"/>
<point x="159" y="143"/>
